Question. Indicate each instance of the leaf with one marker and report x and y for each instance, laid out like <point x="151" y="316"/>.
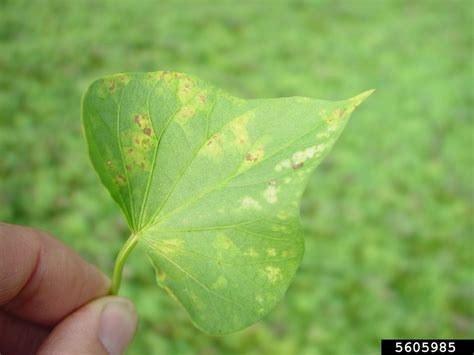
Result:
<point x="210" y="184"/>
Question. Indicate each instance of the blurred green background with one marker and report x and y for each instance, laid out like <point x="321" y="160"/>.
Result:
<point x="388" y="215"/>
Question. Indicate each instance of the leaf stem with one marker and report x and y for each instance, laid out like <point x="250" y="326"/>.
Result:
<point x="120" y="262"/>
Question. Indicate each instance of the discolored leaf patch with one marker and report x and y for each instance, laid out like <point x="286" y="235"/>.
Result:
<point x="210" y="184"/>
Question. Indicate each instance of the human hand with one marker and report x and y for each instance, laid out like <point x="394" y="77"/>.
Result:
<point x="51" y="299"/>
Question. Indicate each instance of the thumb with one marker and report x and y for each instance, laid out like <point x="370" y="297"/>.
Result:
<point x="103" y="326"/>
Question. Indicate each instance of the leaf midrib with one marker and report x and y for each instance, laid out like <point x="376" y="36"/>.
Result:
<point x="119" y="141"/>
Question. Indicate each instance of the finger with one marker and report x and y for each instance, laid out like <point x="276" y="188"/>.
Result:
<point x="20" y="337"/>
<point x="104" y="326"/>
<point x="41" y="279"/>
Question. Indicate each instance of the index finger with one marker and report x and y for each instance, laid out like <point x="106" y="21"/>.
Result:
<point x="41" y="279"/>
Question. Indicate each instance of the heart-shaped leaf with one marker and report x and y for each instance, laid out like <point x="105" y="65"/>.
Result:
<point x="210" y="184"/>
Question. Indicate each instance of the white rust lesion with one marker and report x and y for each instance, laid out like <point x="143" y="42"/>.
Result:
<point x="284" y="164"/>
<point x="300" y="157"/>
<point x="273" y="273"/>
<point x="271" y="194"/>
<point x="250" y="203"/>
<point x="309" y="153"/>
<point x="324" y="134"/>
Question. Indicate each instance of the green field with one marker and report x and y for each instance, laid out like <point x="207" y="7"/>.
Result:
<point x="389" y="215"/>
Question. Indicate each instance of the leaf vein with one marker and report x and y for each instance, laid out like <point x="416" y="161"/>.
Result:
<point x="119" y="141"/>
<point x="155" y="151"/>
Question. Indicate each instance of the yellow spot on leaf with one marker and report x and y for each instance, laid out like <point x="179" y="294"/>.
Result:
<point x="197" y="302"/>
<point x="284" y="164"/>
<point x="123" y="78"/>
<point x="186" y="88"/>
<point x="251" y="252"/>
<point x="238" y="127"/>
<point x="254" y="155"/>
<point x="301" y="156"/>
<point x="223" y="242"/>
<point x="160" y="276"/>
<point x="271" y="194"/>
<point x="120" y="180"/>
<point x="250" y="203"/>
<point x="170" y="246"/>
<point x="185" y="114"/>
<point x="273" y="273"/>
<point x="324" y="134"/>
<point x="221" y="282"/>
<point x="214" y="146"/>
<point x="139" y="143"/>
<point x="271" y="252"/>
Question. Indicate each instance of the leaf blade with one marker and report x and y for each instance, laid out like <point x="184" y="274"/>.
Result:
<point x="214" y="189"/>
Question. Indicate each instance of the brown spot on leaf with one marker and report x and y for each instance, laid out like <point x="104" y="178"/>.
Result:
<point x="137" y="141"/>
<point x="138" y="120"/>
<point x="123" y="78"/>
<point x="109" y="162"/>
<point x="250" y="157"/>
<point x="129" y="167"/>
<point x="272" y="182"/>
<point x="147" y="131"/>
<point x="112" y="86"/>
<point x="130" y="150"/>
<point x="120" y="179"/>
<point x="297" y="165"/>
<point x="341" y="113"/>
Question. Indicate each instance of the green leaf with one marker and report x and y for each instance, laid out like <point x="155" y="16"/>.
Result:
<point x="210" y="184"/>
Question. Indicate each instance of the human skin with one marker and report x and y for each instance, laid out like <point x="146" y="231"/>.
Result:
<point x="54" y="302"/>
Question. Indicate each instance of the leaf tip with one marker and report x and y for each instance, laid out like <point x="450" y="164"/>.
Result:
<point x="357" y="100"/>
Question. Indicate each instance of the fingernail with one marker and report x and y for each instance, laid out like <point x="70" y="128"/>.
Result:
<point x="118" y="321"/>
